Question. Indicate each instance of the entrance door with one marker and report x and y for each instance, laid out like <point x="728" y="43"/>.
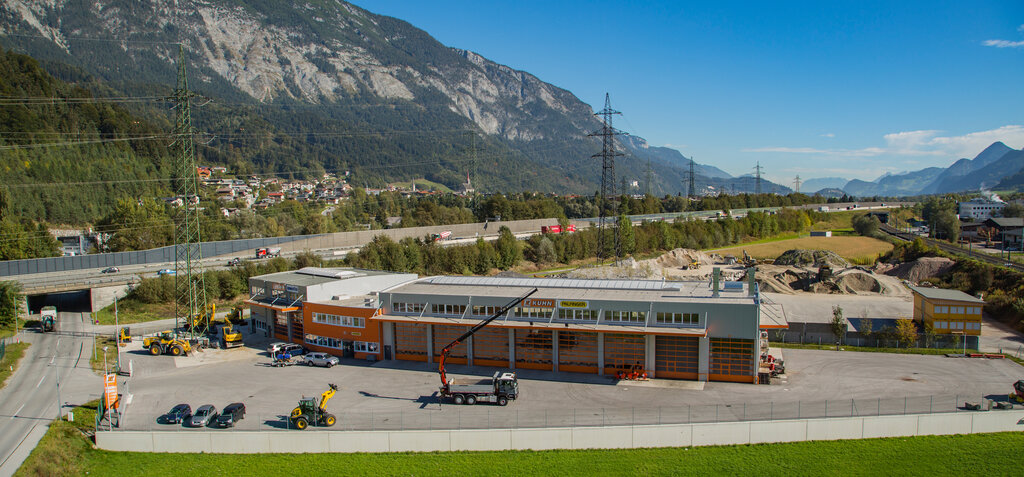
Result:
<point x="387" y="352"/>
<point x="347" y="349"/>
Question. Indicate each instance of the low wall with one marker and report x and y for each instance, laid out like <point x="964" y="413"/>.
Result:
<point x="671" y="435"/>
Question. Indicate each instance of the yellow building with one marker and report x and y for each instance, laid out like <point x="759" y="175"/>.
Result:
<point x="948" y="311"/>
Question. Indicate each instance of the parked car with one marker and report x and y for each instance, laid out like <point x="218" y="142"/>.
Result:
<point x="111" y="270"/>
<point x="203" y="416"/>
<point x="234" y="261"/>
<point x="166" y="271"/>
<point x="292" y="349"/>
<point x="321" y="359"/>
<point x="276" y="346"/>
<point x="178" y="414"/>
<point x="231" y="414"/>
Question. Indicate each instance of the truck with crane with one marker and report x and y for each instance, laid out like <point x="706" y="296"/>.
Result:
<point x="500" y="388"/>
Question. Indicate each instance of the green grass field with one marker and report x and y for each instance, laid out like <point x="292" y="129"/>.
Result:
<point x="65" y="451"/>
<point x="9" y="364"/>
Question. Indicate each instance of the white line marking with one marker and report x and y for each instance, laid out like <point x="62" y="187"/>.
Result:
<point x="41" y="381"/>
<point x="16" y="412"/>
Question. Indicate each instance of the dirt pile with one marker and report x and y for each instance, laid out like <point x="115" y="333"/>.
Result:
<point x="922" y="268"/>
<point x="858" y="282"/>
<point x="811" y="258"/>
<point x="682" y="257"/>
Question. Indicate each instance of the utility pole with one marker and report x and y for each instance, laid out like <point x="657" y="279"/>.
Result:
<point x="189" y="285"/>
<point x="796" y="184"/>
<point x="757" y="177"/>
<point x="117" y="338"/>
<point x="607" y="196"/>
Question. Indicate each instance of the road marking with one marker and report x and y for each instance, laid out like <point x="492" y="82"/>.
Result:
<point x="16" y="412"/>
<point x="41" y="381"/>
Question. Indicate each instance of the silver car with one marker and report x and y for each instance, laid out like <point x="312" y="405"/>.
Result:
<point x="321" y="359"/>
<point x="203" y="416"/>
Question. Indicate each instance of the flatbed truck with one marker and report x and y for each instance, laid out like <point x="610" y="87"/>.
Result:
<point x="500" y="388"/>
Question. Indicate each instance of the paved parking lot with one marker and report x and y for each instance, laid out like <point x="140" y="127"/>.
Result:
<point x="396" y="395"/>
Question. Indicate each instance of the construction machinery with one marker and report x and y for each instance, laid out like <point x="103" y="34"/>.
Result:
<point x="203" y="319"/>
<point x="1018" y="391"/>
<point x="124" y="335"/>
<point x="310" y="411"/>
<point x="748" y="261"/>
<point x="48" y="318"/>
<point x="500" y="388"/>
<point x="166" y="342"/>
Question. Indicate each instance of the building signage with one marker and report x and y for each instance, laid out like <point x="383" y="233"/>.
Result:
<point x="539" y="303"/>
<point x="572" y="304"/>
<point x="291" y="289"/>
<point x="110" y="389"/>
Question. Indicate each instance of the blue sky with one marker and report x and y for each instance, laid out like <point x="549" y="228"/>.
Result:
<point x="836" y="88"/>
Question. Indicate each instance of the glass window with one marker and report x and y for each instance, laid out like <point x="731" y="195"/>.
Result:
<point x="339" y="320"/>
<point x="677" y="318"/>
<point x="447" y="309"/>
<point x="402" y="307"/>
<point x="364" y="347"/>
<point x="625" y="316"/>
<point x="532" y="312"/>
<point x="577" y="314"/>
<point x="956" y="325"/>
<point x="485" y="310"/>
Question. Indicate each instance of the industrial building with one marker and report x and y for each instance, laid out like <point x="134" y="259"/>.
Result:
<point x="948" y="311"/>
<point x="684" y="330"/>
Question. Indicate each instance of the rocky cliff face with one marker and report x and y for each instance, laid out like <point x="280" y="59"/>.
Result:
<point x="310" y="52"/>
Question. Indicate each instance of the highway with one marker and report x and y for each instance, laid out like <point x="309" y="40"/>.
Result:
<point x="51" y="282"/>
<point x="953" y="249"/>
<point x="29" y="400"/>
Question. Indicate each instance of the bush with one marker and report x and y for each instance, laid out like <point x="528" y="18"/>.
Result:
<point x="154" y="290"/>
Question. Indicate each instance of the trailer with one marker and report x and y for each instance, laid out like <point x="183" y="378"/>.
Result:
<point x="447" y="234"/>
<point x="500" y="388"/>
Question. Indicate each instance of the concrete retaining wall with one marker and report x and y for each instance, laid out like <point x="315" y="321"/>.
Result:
<point x="671" y="435"/>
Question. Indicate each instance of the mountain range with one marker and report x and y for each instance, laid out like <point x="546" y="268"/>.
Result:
<point x="299" y="89"/>
<point x="994" y="167"/>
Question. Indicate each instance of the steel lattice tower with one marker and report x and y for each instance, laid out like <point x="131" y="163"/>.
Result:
<point x="693" y="183"/>
<point x="605" y="201"/>
<point x="190" y="289"/>
<point x="796" y="183"/>
<point x="757" y="175"/>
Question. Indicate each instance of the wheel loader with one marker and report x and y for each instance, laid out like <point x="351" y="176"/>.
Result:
<point x="166" y="343"/>
<point x="311" y="413"/>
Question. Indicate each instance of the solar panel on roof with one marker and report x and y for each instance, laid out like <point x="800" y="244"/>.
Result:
<point x="554" y="283"/>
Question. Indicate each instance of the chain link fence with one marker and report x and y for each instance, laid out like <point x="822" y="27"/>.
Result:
<point x="484" y="416"/>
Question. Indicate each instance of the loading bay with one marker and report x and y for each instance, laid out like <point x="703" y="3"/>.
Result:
<point x="403" y="395"/>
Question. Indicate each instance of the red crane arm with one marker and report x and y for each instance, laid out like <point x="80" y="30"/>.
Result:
<point x="473" y="330"/>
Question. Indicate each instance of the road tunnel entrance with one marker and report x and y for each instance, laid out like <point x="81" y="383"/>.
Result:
<point x="72" y="301"/>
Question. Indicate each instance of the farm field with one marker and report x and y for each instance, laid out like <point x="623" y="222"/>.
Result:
<point x="853" y="248"/>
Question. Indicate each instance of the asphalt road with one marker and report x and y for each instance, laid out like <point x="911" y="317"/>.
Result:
<point x="29" y="401"/>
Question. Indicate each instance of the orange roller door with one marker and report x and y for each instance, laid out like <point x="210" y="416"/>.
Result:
<point x="732" y="360"/>
<point x="577" y="351"/>
<point x="490" y="347"/>
<point x="533" y="349"/>
<point x="623" y="353"/>
<point x="676" y="357"/>
<point x="411" y="341"/>
<point x="444" y="334"/>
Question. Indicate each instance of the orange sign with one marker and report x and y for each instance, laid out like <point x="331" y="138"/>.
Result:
<point x="539" y="303"/>
<point x="110" y="389"/>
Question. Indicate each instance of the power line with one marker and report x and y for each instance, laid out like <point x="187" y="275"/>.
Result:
<point x="78" y="143"/>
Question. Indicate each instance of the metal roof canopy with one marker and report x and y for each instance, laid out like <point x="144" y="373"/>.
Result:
<point x="946" y="294"/>
<point x="328" y="272"/>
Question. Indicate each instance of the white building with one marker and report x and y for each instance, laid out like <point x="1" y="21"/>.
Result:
<point x="981" y="208"/>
